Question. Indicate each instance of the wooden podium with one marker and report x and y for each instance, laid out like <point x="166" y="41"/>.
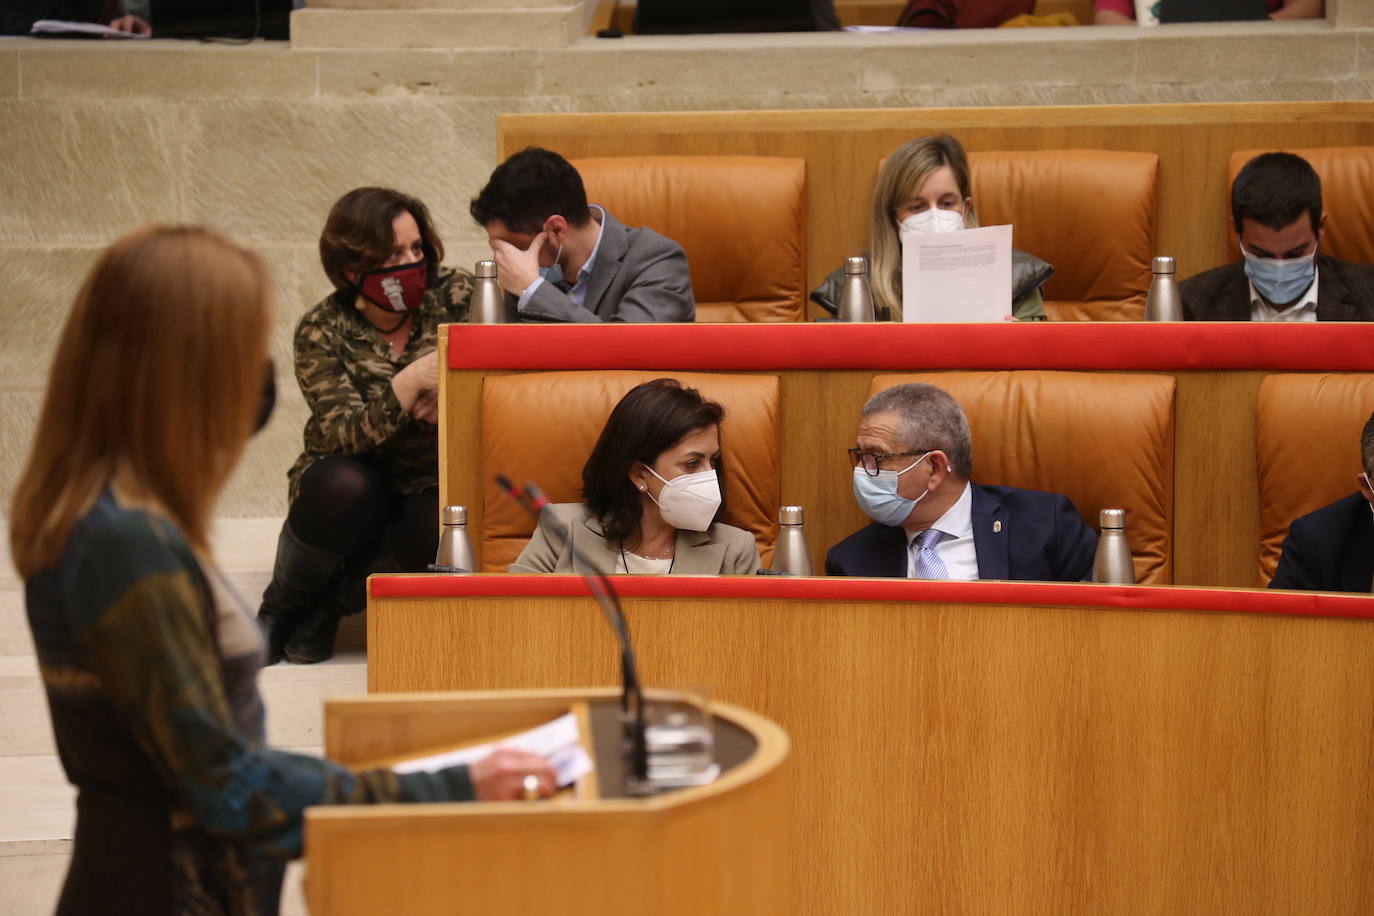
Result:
<point x="720" y="848"/>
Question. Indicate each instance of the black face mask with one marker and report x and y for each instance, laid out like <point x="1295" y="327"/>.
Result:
<point x="268" y="399"/>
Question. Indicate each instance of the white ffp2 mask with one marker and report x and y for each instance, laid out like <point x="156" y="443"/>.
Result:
<point x="689" y="502"/>
<point x="934" y="220"/>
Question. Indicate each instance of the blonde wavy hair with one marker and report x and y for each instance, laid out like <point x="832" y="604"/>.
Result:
<point x="901" y="175"/>
<point x="154" y="389"/>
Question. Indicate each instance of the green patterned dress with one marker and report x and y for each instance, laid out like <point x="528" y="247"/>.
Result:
<point x="150" y="668"/>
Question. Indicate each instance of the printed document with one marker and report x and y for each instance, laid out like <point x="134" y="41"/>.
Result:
<point x="956" y="276"/>
<point x="557" y="741"/>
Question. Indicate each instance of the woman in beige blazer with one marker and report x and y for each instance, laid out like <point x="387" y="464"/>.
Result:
<point x="652" y="495"/>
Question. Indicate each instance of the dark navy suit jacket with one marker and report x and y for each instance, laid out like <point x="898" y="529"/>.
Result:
<point x="1040" y="536"/>
<point x="1330" y="550"/>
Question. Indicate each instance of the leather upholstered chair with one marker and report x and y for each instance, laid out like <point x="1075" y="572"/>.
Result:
<point x="1105" y="440"/>
<point x="741" y="220"/>
<point x="541" y="426"/>
<point x="1307" y="443"/>
<point x="1090" y="213"/>
<point x="1347" y="174"/>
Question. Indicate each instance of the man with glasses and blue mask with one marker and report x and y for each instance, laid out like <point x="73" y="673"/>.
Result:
<point x="1276" y="206"/>
<point x="912" y="466"/>
<point x="1332" y="549"/>
<point x="561" y="259"/>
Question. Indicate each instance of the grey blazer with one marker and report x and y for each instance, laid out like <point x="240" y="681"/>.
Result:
<point x="719" y="550"/>
<point x="639" y="276"/>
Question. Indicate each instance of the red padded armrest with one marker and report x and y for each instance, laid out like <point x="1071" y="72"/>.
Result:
<point x="1320" y="346"/>
<point x="1043" y="594"/>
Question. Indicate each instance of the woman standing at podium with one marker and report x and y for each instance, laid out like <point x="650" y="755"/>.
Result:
<point x="653" y="496"/>
<point x="148" y="658"/>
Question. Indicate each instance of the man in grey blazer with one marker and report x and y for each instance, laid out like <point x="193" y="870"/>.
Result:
<point x="562" y="259"/>
<point x="1276" y="208"/>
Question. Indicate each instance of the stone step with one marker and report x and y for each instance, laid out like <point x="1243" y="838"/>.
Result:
<point x="294" y="696"/>
<point x="546" y="27"/>
<point x="36" y="837"/>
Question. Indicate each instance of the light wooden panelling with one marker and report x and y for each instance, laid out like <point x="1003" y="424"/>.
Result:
<point x="994" y="759"/>
<point x="842" y="149"/>
<point x="712" y="849"/>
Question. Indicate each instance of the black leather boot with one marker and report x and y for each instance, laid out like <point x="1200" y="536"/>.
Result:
<point x="303" y="578"/>
<point x="312" y="639"/>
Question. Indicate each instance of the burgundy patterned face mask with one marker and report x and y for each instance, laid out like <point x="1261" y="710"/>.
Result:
<point x="396" y="289"/>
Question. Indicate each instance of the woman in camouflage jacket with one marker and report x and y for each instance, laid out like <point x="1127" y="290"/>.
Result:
<point x="364" y="492"/>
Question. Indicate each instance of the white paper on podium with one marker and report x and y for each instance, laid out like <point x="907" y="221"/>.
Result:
<point x="956" y="276"/>
<point x="557" y="741"/>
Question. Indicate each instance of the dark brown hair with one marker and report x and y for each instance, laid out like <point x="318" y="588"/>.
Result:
<point x="650" y="419"/>
<point x="357" y="235"/>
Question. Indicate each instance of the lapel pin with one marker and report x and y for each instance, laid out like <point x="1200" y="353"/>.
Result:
<point x="997" y="526"/>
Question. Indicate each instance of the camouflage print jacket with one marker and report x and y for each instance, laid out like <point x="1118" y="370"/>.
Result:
<point x="345" y="366"/>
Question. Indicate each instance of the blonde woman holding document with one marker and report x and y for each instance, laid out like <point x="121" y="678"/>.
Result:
<point x="924" y="185"/>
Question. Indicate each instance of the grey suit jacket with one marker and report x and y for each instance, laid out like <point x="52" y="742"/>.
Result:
<point x="639" y="276"/>
<point x="1345" y="292"/>
<point x="719" y="550"/>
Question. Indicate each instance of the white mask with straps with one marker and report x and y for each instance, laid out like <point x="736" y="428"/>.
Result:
<point x="688" y="502"/>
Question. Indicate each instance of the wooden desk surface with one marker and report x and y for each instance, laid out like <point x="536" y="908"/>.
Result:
<point x="1085" y="749"/>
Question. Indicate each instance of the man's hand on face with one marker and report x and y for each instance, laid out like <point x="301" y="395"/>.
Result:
<point x="517" y="268"/>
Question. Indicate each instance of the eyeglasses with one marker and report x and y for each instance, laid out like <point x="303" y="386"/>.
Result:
<point x="869" y="460"/>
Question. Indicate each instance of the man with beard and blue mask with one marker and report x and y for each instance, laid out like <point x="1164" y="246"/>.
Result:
<point x="561" y="259"/>
<point x="1276" y="206"/>
<point x="1332" y="549"/>
<point x="912" y="469"/>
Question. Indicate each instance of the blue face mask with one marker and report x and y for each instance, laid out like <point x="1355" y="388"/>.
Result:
<point x="554" y="273"/>
<point x="877" y="496"/>
<point x="1280" y="280"/>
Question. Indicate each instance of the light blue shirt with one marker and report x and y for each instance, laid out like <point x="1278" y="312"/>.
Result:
<point x="578" y="291"/>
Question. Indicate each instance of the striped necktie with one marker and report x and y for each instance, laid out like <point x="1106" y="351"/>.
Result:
<point x="928" y="562"/>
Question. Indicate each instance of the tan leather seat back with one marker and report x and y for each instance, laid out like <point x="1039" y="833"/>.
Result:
<point x="1307" y="442"/>
<point x="541" y="426"/>
<point x="1347" y="174"/>
<point x="1090" y="213"/>
<point x="741" y="220"/>
<point x="1105" y="440"/>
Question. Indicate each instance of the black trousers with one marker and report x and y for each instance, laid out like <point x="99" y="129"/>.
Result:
<point x="347" y="507"/>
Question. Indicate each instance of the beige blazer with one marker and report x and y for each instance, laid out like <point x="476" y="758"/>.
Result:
<point x="719" y="550"/>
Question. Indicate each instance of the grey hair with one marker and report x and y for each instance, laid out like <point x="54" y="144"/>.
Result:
<point x="927" y="418"/>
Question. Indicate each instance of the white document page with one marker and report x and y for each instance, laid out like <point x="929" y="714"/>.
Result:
<point x="956" y="276"/>
<point x="557" y="741"/>
<point x="62" y="26"/>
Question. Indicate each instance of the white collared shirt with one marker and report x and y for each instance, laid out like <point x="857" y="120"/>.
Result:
<point x="578" y="291"/>
<point x="955" y="548"/>
<point x="1305" y="309"/>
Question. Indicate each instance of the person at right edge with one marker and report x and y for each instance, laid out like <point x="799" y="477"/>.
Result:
<point x="1332" y="549"/>
<point x="913" y="468"/>
<point x="1276" y="208"/>
<point x="561" y="259"/>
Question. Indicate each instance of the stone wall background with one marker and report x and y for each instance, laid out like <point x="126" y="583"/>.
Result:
<point x="97" y="138"/>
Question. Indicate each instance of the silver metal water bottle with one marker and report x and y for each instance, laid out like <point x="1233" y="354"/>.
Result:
<point x="488" y="299"/>
<point x="1163" y="303"/>
<point x="455" y="549"/>
<point x="1113" y="562"/>
<point x="792" y="555"/>
<point x="856" y="298"/>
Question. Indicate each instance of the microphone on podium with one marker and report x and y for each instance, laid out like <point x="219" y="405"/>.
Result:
<point x="533" y="501"/>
